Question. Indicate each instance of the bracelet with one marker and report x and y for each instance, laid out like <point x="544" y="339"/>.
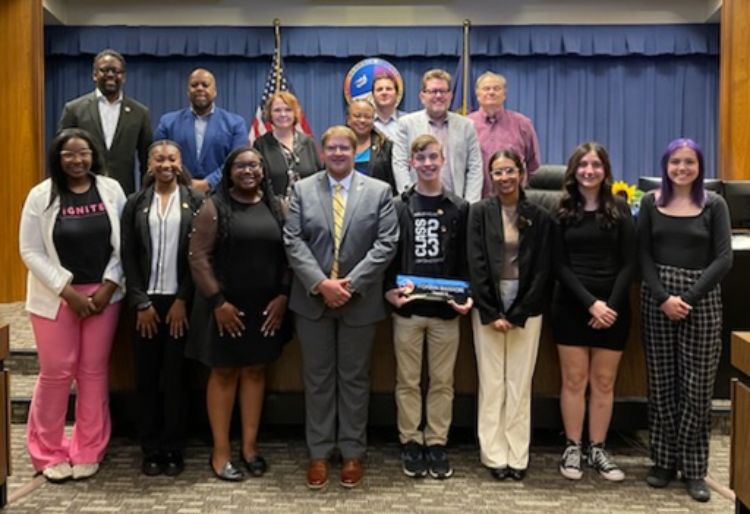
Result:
<point x="144" y="305"/>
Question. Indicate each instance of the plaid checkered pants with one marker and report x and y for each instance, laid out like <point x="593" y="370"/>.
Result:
<point x="681" y="359"/>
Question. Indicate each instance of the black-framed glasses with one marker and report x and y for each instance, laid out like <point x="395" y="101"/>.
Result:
<point x="249" y="165"/>
<point x="436" y="92"/>
<point x="109" y="69"/>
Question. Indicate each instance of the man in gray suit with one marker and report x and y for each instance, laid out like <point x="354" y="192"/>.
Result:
<point x="340" y="236"/>
<point x="120" y="126"/>
<point x="462" y="171"/>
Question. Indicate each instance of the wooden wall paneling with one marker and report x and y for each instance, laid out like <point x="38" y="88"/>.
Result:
<point x="734" y="91"/>
<point x="22" y="155"/>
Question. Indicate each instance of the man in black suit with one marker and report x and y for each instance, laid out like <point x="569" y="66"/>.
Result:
<point x="119" y="125"/>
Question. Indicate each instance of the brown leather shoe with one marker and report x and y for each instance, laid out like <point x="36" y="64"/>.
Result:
<point x="317" y="474"/>
<point x="351" y="473"/>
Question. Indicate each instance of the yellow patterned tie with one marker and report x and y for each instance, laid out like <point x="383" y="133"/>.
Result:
<point x="339" y="206"/>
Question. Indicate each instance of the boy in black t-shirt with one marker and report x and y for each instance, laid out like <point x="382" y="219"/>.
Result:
<point x="432" y="243"/>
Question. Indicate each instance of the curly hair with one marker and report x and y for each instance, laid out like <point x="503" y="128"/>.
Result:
<point x="572" y="202"/>
<point x="221" y="198"/>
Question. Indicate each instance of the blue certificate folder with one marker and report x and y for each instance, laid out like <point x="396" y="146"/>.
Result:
<point x="436" y="289"/>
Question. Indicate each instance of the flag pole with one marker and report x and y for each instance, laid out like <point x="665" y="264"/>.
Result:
<point x="277" y="53"/>
<point x="465" y="85"/>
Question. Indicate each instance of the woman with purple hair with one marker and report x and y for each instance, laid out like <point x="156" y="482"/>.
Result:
<point x="685" y="250"/>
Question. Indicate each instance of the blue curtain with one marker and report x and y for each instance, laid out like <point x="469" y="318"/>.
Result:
<point x="631" y="88"/>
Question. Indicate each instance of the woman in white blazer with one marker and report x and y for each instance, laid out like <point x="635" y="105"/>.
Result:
<point x="70" y="243"/>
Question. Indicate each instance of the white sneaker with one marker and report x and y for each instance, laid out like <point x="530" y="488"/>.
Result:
<point x="81" y="471"/>
<point x="600" y="460"/>
<point x="58" y="473"/>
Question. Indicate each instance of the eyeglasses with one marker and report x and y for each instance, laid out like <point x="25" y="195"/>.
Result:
<point x="249" y="165"/>
<point x="334" y="148"/>
<point x="496" y="89"/>
<point x="436" y="92"/>
<point x="71" y="154"/>
<point x="504" y="171"/>
<point x="108" y="69"/>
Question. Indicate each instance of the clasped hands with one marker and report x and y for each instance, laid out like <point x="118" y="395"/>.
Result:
<point x="602" y="315"/>
<point x="675" y="308"/>
<point x="85" y="306"/>
<point x="335" y="291"/>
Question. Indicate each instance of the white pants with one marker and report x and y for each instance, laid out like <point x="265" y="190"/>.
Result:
<point x="505" y="365"/>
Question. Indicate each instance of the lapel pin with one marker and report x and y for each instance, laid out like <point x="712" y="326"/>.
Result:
<point x="127" y="109"/>
<point x="184" y="205"/>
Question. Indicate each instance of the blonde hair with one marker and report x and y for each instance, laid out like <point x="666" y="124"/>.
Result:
<point x="339" y="130"/>
<point x="436" y="73"/>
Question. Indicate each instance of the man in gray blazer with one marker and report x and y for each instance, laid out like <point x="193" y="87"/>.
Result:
<point x="119" y="125"/>
<point x="462" y="171"/>
<point x="340" y="236"/>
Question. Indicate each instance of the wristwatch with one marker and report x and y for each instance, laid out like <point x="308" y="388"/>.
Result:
<point x="144" y="305"/>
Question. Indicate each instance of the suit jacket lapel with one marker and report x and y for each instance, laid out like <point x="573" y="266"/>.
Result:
<point x="125" y="114"/>
<point x="94" y="113"/>
<point x="188" y="124"/>
<point x="495" y="235"/>
<point x="326" y="205"/>
<point x="352" y="199"/>
<point x="208" y="136"/>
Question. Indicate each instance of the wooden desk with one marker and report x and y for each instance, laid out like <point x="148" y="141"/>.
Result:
<point x="5" y="469"/>
<point x="739" y="471"/>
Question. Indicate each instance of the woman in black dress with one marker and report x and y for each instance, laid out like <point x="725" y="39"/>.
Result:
<point x="288" y="154"/>
<point x="239" y="321"/>
<point x="155" y="224"/>
<point x="594" y="249"/>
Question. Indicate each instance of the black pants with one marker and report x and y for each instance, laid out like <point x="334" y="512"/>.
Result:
<point x="161" y="385"/>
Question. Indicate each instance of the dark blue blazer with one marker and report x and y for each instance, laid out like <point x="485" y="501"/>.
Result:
<point x="225" y="132"/>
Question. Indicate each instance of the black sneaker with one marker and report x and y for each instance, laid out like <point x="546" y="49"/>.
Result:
<point x="437" y="462"/>
<point x="412" y="460"/>
<point x="570" y="462"/>
<point x="697" y="489"/>
<point x="660" y="477"/>
<point x="601" y="461"/>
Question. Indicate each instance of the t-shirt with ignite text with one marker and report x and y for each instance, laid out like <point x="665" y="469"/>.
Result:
<point x="82" y="235"/>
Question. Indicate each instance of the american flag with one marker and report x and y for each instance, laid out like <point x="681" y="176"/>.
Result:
<point x="259" y="125"/>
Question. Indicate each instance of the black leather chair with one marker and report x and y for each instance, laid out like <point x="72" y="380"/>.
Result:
<point x="545" y="186"/>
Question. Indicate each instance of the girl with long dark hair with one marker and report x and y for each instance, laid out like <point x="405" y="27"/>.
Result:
<point x="594" y="252"/>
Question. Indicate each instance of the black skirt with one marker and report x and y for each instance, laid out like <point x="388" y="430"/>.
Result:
<point x="570" y="321"/>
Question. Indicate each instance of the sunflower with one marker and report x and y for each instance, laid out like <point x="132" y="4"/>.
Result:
<point x="627" y="191"/>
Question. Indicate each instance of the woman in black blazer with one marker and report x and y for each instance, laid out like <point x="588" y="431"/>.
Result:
<point x="156" y="224"/>
<point x="509" y="265"/>
<point x="374" y="151"/>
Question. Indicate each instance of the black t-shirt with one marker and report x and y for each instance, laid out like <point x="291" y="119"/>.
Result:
<point x="428" y="258"/>
<point x="82" y="235"/>
<point x="428" y="236"/>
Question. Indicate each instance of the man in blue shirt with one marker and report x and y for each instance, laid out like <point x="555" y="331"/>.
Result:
<point x="205" y="133"/>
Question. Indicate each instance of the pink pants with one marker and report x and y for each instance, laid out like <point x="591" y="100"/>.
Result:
<point x="70" y="349"/>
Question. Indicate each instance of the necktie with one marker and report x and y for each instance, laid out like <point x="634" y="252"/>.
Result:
<point x="339" y="206"/>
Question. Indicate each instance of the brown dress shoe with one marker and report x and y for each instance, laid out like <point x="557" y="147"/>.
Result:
<point x="317" y="474"/>
<point x="351" y="473"/>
